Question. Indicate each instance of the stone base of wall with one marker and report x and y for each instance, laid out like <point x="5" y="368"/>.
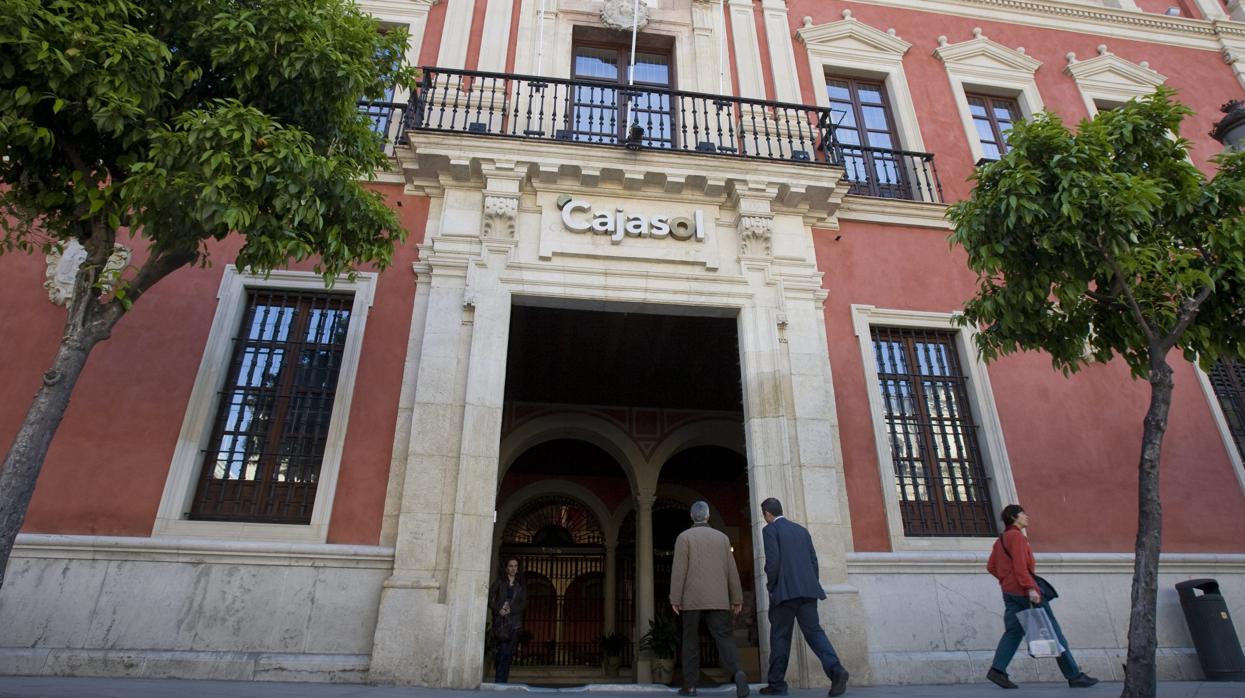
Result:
<point x="162" y="664"/>
<point x="1174" y="664"/>
<point x="936" y="617"/>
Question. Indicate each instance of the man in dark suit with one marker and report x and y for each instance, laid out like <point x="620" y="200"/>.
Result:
<point x="794" y="590"/>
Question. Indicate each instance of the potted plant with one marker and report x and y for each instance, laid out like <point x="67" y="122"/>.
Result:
<point x="663" y="639"/>
<point x="612" y="646"/>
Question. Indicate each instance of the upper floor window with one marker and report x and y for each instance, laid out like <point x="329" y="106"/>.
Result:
<point x="262" y="463"/>
<point x="603" y="105"/>
<point x="940" y="478"/>
<point x="1228" y="381"/>
<point x="993" y="118"/>
<point x="866" y="132"/>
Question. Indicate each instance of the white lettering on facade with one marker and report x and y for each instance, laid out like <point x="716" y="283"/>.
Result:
<point x="578" y="217"/>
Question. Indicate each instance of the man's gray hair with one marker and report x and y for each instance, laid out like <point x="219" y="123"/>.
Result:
<point x="700" y="512"/>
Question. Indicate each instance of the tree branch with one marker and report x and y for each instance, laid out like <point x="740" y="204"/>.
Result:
<point x="154" y="269"/>
<point x="1188" y="311"/>
<point x="1131" y="303"/>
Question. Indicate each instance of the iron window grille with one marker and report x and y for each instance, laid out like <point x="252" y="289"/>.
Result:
<point x="940" y="480"/>
<point x="272" y="420"/>
<point x="1227" y="379"/>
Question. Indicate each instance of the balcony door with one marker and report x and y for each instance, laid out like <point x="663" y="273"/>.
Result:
<point x="602" y="104"/>
<point x="866" y="133"/>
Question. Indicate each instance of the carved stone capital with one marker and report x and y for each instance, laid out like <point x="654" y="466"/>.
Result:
<point x="62" y="272"/>
<point x="499" y="216"/>
<point x="756" y="235"/>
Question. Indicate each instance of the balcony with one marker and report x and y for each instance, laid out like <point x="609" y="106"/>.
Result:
<point x="569" y="112"/>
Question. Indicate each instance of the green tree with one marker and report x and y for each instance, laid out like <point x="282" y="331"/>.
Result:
<point x="165" y="126"/>
<point x="1103" y="243"/>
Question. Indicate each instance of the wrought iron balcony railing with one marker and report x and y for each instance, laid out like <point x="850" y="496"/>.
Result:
<point x="387" y="121"/>
<point x="891" y="174"/>
<point x="582" y="111"/>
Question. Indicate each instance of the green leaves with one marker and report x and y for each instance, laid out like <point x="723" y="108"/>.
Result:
<point x="196" y="120"/>
<point x="1096" y="244"/>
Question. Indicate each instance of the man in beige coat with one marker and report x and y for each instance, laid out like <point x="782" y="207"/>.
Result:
<point x="705" y="582"/>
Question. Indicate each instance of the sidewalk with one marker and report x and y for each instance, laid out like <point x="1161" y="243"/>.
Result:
<point x="44" y="687"/>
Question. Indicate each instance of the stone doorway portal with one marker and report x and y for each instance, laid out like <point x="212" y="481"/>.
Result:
<point x="625" y="414"/>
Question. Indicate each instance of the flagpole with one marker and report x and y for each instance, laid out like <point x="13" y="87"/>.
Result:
<point x="635" y="28"/>
<point x="540" y="42"/>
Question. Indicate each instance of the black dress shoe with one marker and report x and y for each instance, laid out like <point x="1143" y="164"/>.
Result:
<point x="741" y="685"/>
<point x="687" y="691"/>
<point x="1082" y="680"/>
<point x="838" y="683"/>
<point x="771" y="691"/>
<point x="999" y="678"/>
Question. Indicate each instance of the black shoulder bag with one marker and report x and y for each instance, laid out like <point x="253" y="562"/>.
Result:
<point x="1045" y="588"/>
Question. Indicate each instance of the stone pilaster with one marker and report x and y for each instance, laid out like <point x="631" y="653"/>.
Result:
<point x="747" y="49"/>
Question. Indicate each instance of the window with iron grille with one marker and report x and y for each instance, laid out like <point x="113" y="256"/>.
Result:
<point x="1228" y="381"/>
<point x="993" y="118"/>
<point x="940" y="478"/>
<point x="268" y="438"/>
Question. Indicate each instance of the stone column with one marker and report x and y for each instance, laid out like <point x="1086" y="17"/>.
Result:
<point x="747" y="50"/>
<point x="644" y="578"/>
<point x="611" y="584"/>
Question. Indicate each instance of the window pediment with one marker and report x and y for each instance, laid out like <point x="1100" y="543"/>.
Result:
<point x="985" y="57"/>
<point x="1109" y="72"/>
<point x="851" y="37"/>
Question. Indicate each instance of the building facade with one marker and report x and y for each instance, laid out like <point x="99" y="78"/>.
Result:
<point x="721" y="275"/>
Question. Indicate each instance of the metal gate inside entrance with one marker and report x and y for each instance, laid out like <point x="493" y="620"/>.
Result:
<point x="561" y="550"/>
<point x="565" y="606"/>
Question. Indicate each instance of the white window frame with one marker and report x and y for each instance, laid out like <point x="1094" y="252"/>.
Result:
<point x="982" y="66"/>
<point x="852" y="48"/>
<point x="1107" y="79"/>
<point x="196" y="431"/>
<point x="1221" y="422"/>
<point x="981" y="401"/>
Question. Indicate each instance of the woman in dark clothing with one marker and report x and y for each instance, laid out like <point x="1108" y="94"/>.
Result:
<point x="1013" y="564"/>
<point x="506" y="599"/>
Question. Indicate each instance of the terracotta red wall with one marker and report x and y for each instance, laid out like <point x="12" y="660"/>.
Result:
<point x="107" y="466"/>
<point x="1073" y="442"/>
<point x="1201" y="77"/>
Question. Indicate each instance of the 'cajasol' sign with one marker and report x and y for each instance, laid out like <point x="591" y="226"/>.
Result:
<point x="579" y="217"/>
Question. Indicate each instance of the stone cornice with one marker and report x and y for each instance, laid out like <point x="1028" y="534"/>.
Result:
<point x="1201" y="564"/>
<point x="458" y="159"/>
<point x="917" y="214"/>
<point x="1088" y="19"/>
<point x="189" y="550"/>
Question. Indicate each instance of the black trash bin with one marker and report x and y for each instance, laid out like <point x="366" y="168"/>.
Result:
<point x="1206" y="613"/>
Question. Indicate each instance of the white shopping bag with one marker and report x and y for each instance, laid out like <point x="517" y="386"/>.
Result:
<point x="1040" y="633"/>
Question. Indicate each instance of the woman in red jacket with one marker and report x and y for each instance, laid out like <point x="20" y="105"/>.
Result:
<point x="1013" y="564"/>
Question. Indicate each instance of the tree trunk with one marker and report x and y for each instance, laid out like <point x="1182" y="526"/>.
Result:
<point x="1140" y="680"/>
<point x="88" y="323"/>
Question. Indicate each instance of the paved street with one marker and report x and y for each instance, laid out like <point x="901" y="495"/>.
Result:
<point x="39" y="687"/>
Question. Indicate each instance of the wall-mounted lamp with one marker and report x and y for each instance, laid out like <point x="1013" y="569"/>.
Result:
<point x="1230" y="130"/>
